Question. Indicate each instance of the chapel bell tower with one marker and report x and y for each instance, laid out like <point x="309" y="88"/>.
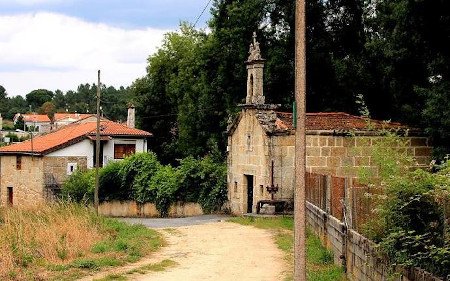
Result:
<point x="255" y="72"/>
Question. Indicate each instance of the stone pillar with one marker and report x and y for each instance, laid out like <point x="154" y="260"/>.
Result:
<point x="131" y="116"/>
<point x="255" y="74"/>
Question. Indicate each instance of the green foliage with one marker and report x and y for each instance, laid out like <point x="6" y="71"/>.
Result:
<point x="20" y="124"/>
<point x="12" y="137"/>
<point x="165" y="184"/>
<point x="110" y="182"/>
<point x="410" y="223"/>
<point x="137" y="171"/>
<point x="37" y="98"/>
<point x="203" y="181"/>
<point x="142" y="178"/>
<point x="79" y="187"/>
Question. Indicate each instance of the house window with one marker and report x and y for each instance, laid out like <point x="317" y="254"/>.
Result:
<point x="123" y="150"/>
<point x="71" y="168"/>
<point x="18" y="162"/>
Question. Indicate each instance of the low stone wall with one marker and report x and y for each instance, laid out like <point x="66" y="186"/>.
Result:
<point x="134" y="209"/>
<point x="355" y="252"/>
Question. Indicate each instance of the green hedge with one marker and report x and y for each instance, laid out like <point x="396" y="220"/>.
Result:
<point x="142" y="178"/>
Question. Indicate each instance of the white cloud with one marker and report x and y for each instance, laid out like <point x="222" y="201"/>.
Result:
<point x="30" y="2"/>
<point x="53" y="51"/>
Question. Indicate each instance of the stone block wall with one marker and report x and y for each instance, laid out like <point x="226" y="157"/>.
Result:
<point x="26" y="182"/>
<point x="282" y="153"/>
<point x="57" y="166"/>
<point x="344" y="155"/>
<point x="133" y="209"/>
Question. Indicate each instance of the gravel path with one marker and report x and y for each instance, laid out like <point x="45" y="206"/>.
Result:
<point x="219" y="251"/>
<point x="176" y="222"/>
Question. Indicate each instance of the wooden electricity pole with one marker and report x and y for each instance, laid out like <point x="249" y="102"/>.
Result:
<point x="97" y="146"/>
<point x="300" y="144"/>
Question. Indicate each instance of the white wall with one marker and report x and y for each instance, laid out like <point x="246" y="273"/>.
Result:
<point x="86" y="148"/>
<point x="83" y="148"/>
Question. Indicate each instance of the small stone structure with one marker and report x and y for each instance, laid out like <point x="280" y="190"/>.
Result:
<point x="337" y="144"/>
<point x="148" y="210"/>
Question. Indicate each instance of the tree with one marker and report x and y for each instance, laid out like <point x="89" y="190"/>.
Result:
<point x="15" y="105"/>
<point x="3" y="101"/>
<point x="177" y="98"/>
<point x="49" y="109"/>
<point x="59" y="100"/>
<point x="410" y="63"/>
<point x="36" y="98"/>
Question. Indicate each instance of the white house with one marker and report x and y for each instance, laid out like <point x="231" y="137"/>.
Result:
<point x="30" y="171"/>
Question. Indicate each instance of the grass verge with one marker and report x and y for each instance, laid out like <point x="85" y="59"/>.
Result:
<point x="67" y="241"/>
<point x="319" y="260"/>
<point x="155" y="267"/>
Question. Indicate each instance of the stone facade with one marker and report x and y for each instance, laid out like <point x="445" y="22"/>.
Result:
<point x="252" y="150"/>
<point x="56" y="171"/>
<point x="25" y="183"/>
<point x="36" y="179"/>
<point x="249" y="161"/>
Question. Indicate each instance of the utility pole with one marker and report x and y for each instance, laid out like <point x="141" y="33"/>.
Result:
<point x="97" y="146"/>
<point x="300" y="144"/>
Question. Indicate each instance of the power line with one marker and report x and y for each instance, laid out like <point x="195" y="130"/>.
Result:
<point x="204" y="9"/>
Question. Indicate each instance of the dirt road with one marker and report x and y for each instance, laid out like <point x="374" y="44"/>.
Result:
<point x="219" y="251"/>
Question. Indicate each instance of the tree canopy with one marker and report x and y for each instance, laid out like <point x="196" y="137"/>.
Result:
<point x="390" y="54"/>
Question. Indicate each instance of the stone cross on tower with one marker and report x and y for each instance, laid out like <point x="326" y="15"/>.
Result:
<point x="255" y="72"/>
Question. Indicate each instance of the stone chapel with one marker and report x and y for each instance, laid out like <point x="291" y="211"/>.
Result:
<point x="261" y="145"/>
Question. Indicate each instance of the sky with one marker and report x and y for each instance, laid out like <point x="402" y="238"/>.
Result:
<point x="60" y="44"/>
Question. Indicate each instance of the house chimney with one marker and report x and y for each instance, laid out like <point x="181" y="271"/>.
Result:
<point x="131" y="116"/>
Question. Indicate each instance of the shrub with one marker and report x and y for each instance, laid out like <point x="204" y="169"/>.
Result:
<point x="203" y="181"/>
<point x="137" y="171"/>
<point x="214" y="185"/>
<point x="410" y="225"/>
<point x="165" y="183"/>
<point x="79" y="187"/>
<point x="110" y="183"/>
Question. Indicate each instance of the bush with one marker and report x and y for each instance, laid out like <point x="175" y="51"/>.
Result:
<point x="203" y="181"/>
<point x="12" y="137"/>
<point x="137" y="171"/>
<point x="142" y="178"/>
<point x="165" y="183"/>
<point x="410" y="225"/>
<point x="110" y="183"/>
<point x="79" y="187"/>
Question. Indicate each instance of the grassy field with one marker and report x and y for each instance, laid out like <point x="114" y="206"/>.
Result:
<point x="319" y="265"/>
<point x="65" y="242"/>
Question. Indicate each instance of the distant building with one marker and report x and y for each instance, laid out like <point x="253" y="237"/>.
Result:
<point x="261" y="143"/>
<point x="32" y="171"/>
<point x="41" y="123"/>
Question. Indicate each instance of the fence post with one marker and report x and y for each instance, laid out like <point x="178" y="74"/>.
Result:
<point x="328" y="194"/>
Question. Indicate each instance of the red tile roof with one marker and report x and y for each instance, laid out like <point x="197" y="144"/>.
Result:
<point x="335" y="121"/>
<point x="58" y="116"/>
<point x="71" y="134"/>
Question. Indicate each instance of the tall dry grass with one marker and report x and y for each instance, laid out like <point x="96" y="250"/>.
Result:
<point x="47" y="234"/>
